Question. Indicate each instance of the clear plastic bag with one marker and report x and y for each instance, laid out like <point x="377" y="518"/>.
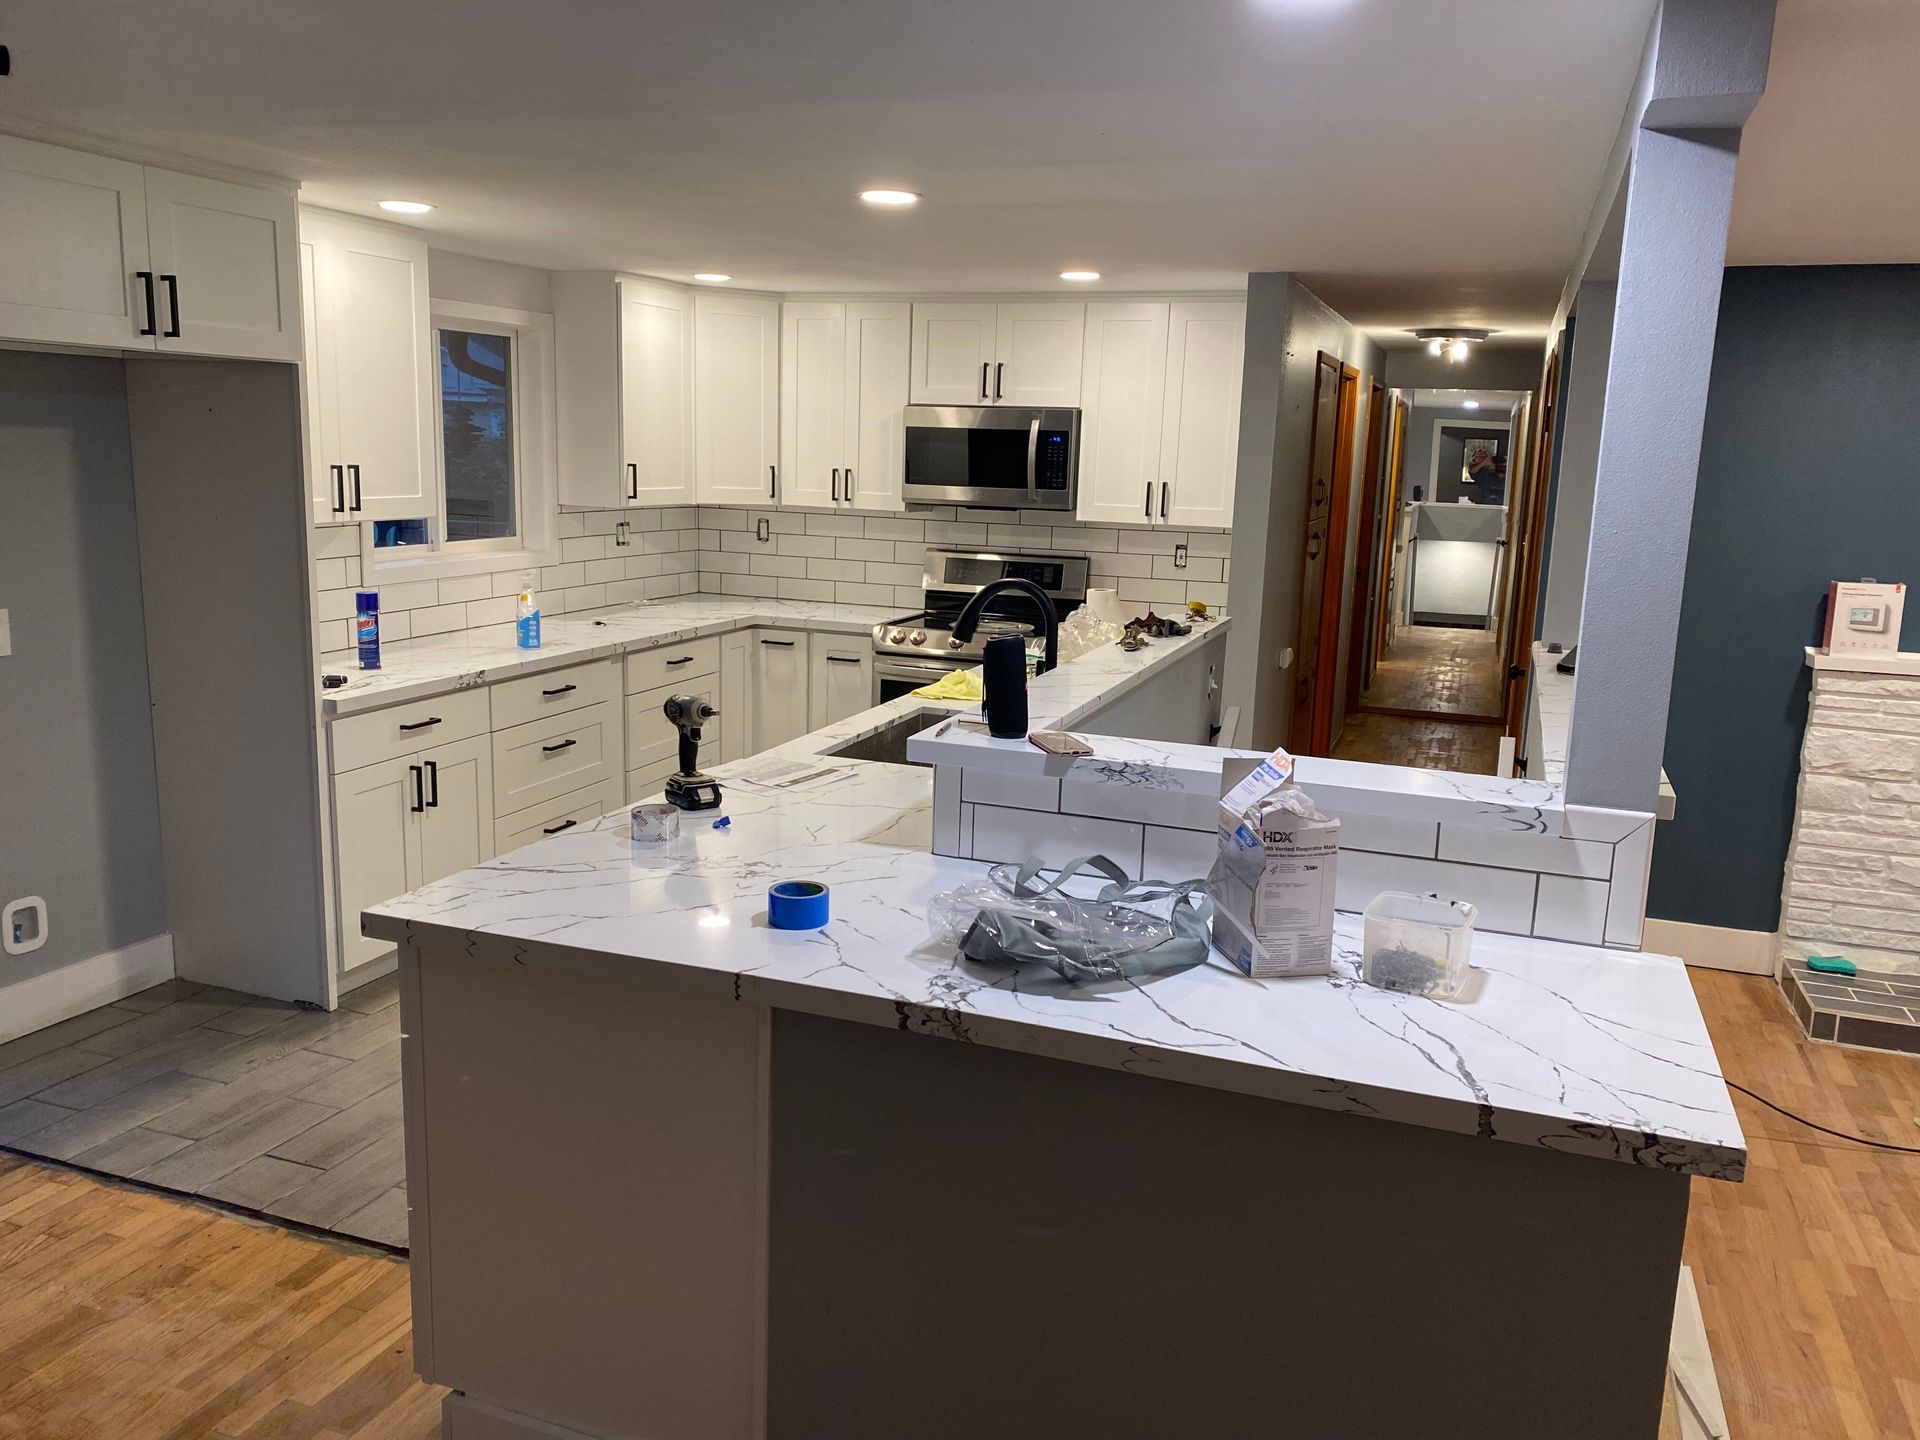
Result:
<point x="1014" y="917"/>
<point x="1083" y="632"/>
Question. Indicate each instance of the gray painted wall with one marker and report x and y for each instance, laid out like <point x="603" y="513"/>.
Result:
<point x="1579" y="441"/>
<point x="1287" y="328"/>
<point x="1807" y="467"/>
<point x="81" y="820"/>
<point x="1418" y="469"/>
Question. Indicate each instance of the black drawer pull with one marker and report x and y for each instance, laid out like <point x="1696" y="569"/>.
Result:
<point x="783" y="644"/>
<point x="683" y="660"/>
<point x="563" y="690"/>
<point x="556" y="829"/>
<point x="421" y="724"/>
<point x="563" y="745"/>
<point x="843" y="659"/>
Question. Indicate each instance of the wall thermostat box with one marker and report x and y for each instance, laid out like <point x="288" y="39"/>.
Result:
<point x="1863" y="617"/>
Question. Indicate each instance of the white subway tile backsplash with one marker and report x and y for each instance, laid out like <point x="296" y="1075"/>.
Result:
<point x="1002" y="834"/>
<point x="806" y="589"/>
<point x="1571" y="909"/>
<point x="329" y="574"/>
<point x="598" y="572"/>
<point x="1505" y="897"/>
<point x="1178" y="854"/>
<point x="848" y="592"/>
<point x="861" y="549"/>
<point x="412" y="595"/>
<point x="892" y="527"/>
<point x="1520" y="850"/>
<point x="439" y="619"/>
<point x="494" y="610"/>
<point x="333" y="541"/>
<point x="1017" y="792"/>
<point x="849" y="525"/>
<point x="1392" y="835"/>
<point x="584" y="547"/>
<point x="811" y="546"/>
<point x="791" y="566"/>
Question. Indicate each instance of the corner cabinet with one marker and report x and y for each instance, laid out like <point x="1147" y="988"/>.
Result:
<point x="736" y="399"/>
<point x="1015" y="353"/>
<point x="102" y="252"/>
<point x="1161" y="433"/>
<point x="372" y="395"/>
<point x="843" y="386"/>
<point x="624" y="381"/>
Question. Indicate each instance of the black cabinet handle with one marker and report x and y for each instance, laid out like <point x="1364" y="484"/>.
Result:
<point x="633" y="480"/>
<point x="419" y="794"/>
<point x="421" y="724"/>
<point x="556" y="829"/>
<point x="1147" y="509"/>
<point x="1163" y="499"/>
<point x="563" y="690"/>
<point x="999" y="374"/>
<point x="849" y="486"/>
<point x="773" y="483"/>
<point x="354" y="472"/>
<point x="783" y="644"/>
<point x="843" y="659"/>
<point x="836" y="487"/>
<point x="984" y="368"/>
<point x="339" y="489"/>
<point x="554" y="749"/>
<point x="683" y="660"/>
<point x="172" y="282"/>
<point x="433" y="775"/>
<point x="145" y="277"/>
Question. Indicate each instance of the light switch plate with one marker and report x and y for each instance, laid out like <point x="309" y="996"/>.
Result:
<point x="6" y="634"/>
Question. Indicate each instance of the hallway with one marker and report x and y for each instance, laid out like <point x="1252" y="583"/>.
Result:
<point x="1434" y="668"/>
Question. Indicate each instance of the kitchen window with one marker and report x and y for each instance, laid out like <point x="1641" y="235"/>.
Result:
<point x="494" y="497"/>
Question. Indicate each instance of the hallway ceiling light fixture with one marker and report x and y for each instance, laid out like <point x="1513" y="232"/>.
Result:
<point x="712" y="277"/>
<point x="1456" y="344"/>
<point x="1469" y="404"/>
<point x="1079" y="274"/>
<point x="406" y="207"/>
<point x="890" y="197"/>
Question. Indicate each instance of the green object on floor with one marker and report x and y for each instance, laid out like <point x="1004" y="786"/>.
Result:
<point x="1831" y="964"/>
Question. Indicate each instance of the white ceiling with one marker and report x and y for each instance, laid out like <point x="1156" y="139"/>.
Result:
<point x="1417" y="163"/>
<point x="1494" y="404"/>
<point x="1830" y="162"/>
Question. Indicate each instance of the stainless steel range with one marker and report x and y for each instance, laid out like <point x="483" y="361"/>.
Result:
<point x="915" y="650"/>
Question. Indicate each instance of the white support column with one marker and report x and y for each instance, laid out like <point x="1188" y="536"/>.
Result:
<point x="1708" y="69"/>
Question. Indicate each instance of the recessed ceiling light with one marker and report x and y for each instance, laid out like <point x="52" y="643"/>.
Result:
<point x="889" y="197"/>
<point x="713" y="277"/>
<point x="1079" y="274"/>
<point x="406" y="207"/>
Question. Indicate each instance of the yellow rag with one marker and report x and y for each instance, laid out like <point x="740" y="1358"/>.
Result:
<point x="954" y="685"/>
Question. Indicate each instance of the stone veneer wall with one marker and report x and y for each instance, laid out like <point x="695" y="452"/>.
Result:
<point x="1853" y="871"/>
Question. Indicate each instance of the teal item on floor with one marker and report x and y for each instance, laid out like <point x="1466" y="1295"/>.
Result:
<point x="1832" y="965"/>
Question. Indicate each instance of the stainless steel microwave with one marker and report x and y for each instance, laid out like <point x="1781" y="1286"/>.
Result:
<point x="1003" y="456"/>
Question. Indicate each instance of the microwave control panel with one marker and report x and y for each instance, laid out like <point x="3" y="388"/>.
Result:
<point x="1053" y="460"/>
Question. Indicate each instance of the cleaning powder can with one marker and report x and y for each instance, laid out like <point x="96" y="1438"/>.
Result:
<point x="366" y="628"/>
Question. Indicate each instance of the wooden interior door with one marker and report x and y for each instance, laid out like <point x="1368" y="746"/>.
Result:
<point x="1360" y="650"/>
<point x="1393" y="485"/>
<point x="1313" y="550"/>
<point x="1530" y="532"/>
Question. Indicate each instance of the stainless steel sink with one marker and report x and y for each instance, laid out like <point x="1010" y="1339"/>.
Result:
<point x="888" y="745"/>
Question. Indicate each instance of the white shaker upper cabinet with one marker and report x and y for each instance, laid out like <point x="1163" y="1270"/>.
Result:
<point x="878" y="337"/>
<point x="1200" y="429"/>
<point x="953" y="354"/>
<point x="375" y="391"/>
<point x="656" y="394"/>
<point x="736" y="399"/>
<point x="73" y="246"/>
<point x="223" y="258"/>
<point x="813" y="402"/>
<point x="1125" y="386"/>
<point x="1037" y="352"/>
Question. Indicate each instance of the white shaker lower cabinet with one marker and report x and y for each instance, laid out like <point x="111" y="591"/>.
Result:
<point x="736" y="695"/>
<point x="840" y="678"/>
<point x="780" y="662"/>
<point x="404" y="823"/>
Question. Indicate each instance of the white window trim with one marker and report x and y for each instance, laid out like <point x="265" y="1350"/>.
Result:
<point x="537" y="460"/>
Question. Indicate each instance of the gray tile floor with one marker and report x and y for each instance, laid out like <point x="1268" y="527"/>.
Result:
<point x="291" y="1112"/>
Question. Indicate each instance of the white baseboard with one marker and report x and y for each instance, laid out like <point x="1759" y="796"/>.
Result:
<point x="1746" y="952"/>
<point x="84" y="985"/>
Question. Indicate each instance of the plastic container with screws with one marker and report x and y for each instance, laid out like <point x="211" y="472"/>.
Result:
<point x="1418" y="944"/>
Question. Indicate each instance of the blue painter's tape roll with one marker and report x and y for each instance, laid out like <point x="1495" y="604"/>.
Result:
<point x="797" y="905"/>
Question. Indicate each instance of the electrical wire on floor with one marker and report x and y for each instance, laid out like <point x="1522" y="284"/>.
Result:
<point x="1811" y="1125"/>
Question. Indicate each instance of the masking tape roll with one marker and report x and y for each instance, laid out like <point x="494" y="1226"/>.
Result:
<point x="797" y="905"/>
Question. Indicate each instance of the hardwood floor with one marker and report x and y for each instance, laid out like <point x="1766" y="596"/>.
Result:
<point x="132" y="1316"/>
<point x="1423" y="744"/>
<point x="291" y="1112"/>
<point x="1809" y="1272"/>
<point x="1440" y="669"/>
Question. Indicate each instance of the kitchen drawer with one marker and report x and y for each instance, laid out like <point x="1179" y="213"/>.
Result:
<point x="402" y="729"/>
<point x="651" y="737"/>
<point x="542" y="761"/>
<point x="672" y="664"/>
<point x="537" y="822"/>
<point x="648" y="781"/>
<point x="554" y="692"/>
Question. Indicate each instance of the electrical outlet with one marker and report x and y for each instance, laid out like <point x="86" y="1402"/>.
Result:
<point x="620" y="536"/>
<point x="23" y="925"/>
<point x="1179" y="557"/>
<point x="763" y="532"/>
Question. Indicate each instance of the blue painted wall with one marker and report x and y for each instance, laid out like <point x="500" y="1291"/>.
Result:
<point x="1809" y="472"/>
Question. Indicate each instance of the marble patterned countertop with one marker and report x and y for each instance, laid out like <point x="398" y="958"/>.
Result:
<point x="1565" y="1047"/>
<point x="414" y="669"/>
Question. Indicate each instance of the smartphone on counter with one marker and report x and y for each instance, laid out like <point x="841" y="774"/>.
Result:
<point x="1059" y="742"/>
